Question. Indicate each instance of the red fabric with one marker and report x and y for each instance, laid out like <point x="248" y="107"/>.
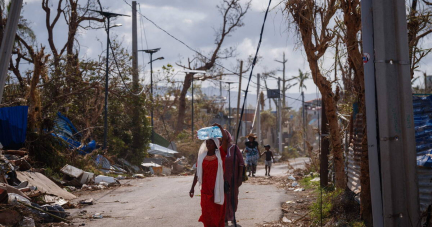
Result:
<point x="213" y="215"/>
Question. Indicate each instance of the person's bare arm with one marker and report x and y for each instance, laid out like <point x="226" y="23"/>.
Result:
<point x="272" y="156"/>
<point x="192" y="191"/>
<point x="224" y="143"/>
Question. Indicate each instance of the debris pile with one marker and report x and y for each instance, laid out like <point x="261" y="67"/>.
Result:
<point x="27" y="196"/>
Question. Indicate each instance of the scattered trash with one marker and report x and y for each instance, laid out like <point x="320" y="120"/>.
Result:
<point x="86" y="177"/>
<point x="128" y="166"/>
<point x="72" y="171"/>
<point x="102" y="178"/>
<point x="299" y="201"/>
<point x="14" y="199"/>
<point x="105" y="184"/>
<point x="291" y="177"/>
<point x="85" y="187"/>
<point x="51" y="199"/>
<point x="120" y="177"/>
<point x="44" y="184"/>
<point x="286" y="220"/>
<point x="97" y="216"/>
<point x="87" y="202"/>
<point x="316" y="179"/>
<point x="299" y="190"/>
<point x="82" y="212"/>
<point x="9" y="189"/>
<point x="103" y="163"/>
<point x="289" y="202"/>
<point x="71" y="188"/>
<point x="27" y="222"/>
<point x="294" y="184"/>
<point x="138" y="176"/>
<point x="101" y="187"/>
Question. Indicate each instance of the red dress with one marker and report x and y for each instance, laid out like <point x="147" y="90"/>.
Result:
<point x="213" y="215"/>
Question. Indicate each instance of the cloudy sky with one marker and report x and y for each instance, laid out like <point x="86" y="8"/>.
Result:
<point x="194" y="22"/>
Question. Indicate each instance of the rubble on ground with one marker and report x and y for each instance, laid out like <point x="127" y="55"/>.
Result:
<point x="29" y="198"/>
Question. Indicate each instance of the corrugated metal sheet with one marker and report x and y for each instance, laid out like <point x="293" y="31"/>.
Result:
<point x="354" y="157"/>
<point x="425" y="186"/>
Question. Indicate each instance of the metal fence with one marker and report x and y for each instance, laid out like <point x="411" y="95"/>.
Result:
<point x="354" y="156"/>
<point x="423" y="132"/>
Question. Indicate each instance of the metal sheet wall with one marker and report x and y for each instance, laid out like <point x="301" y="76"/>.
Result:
<point x="425" y="187"/>
<point x="354" y="156"/>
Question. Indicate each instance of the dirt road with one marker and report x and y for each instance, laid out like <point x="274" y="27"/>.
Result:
<point x="164" y="201"/>
<point x="281" y="169"/>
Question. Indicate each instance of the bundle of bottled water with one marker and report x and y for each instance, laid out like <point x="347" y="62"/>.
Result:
<point x="209" y="132"/>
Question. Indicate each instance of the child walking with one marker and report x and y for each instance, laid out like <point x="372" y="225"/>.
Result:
<point x="268" y="159"/>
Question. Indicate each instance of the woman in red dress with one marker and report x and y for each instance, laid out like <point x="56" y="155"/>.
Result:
<point x="210" y="166"/>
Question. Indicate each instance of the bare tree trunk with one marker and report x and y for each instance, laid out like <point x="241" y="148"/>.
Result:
<point x="352" y="19"/>
<point x="315" y="43"/>
<point x="331" y="112"/>
<point x="182" y="102"/>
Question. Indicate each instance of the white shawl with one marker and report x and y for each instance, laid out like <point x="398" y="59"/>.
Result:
<point x="219" y="186"/>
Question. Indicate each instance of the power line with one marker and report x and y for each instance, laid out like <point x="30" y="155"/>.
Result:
<point x="180" y="41"/>
<point x="115" y="59"/>
<point x="118" y="69"/>
<point x="243" y="107"/>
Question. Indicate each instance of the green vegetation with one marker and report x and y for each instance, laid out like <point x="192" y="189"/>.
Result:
<point x="308" y="184"/>
<point x="289" y="153"/>
<point x="322" y="208"/>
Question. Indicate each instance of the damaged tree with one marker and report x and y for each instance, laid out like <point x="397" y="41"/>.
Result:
<point x="232" y="12"/>
<point x="312" y="22"/>
<point x="351" y="27"/>
<point x="419" y="27"/>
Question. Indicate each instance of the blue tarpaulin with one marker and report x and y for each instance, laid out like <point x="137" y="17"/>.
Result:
<point x="13" y="126"/>
<point x="423" y="129"/>
<point x="64" y="129"/>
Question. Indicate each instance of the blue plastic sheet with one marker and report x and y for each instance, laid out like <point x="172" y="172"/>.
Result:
<point x="422" y="107"/>
<point x="13" y="126"/>
<point x="65" y="130"/>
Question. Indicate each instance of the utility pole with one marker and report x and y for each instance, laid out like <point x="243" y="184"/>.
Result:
<point x="280" y="117"/>
<point x="258" y="109"/>
<point x="135" y="79"/>
<point x="284" y="61"/>
<point x="400" y="196"/>
<point x="371" y="118"/>
<point x="134" y="48"/>
<point x="192" y="83"/>
<point x="8" y="42"/>
<point x="325" y="144"/>
<point x="238" y="97"/>
<point x="304" y="122"/>
<point x="107" y="16"/>
<point x="229" y="106"/>
<point x="151" y="52"/>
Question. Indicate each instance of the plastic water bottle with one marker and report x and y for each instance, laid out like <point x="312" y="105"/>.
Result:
<point x="209" y="132"/>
